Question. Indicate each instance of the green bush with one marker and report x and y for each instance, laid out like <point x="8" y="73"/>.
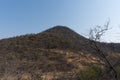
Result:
<point x="11" y="57"/>
<point x="118" y="70"/>
<point x="92" y="73"/>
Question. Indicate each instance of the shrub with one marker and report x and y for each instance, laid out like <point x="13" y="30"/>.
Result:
<point x="11" y="57"/>
<point x="92" y="73"/>
<point x="118" y="70"/>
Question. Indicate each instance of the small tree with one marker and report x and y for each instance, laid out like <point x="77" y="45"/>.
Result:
<point x="95" y="35"/>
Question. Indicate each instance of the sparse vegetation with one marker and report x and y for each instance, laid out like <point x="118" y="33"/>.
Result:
<point x="55" y="54"/>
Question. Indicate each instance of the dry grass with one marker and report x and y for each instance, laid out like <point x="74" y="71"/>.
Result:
<point x="47" y="66"/>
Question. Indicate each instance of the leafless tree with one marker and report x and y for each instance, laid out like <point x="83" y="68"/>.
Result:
<point x="95" y="35"/>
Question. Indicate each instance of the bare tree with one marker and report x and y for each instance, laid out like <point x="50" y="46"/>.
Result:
<point x="95" y="35"/>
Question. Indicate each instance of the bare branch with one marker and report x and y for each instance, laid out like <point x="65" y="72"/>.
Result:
<point x="95" y="35"/>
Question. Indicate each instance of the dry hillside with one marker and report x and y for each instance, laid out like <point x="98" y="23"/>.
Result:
<point x="58" y="53"/>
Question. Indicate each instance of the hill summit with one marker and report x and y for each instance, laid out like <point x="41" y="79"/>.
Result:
<point x="63" y="37"/>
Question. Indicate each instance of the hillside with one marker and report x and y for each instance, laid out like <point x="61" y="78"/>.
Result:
<point x="57" y="53"/>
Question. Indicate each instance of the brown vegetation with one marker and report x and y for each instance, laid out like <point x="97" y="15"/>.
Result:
<point x="55" y="54"/>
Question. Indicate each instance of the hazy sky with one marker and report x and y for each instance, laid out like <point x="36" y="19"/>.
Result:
<point x="19" y="17"/>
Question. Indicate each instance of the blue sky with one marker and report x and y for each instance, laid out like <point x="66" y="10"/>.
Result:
<point x="18" y="17"/>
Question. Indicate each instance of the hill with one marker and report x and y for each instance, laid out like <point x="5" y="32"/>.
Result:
<point x="58" y="37"/>
<point x="57" y="53"/>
